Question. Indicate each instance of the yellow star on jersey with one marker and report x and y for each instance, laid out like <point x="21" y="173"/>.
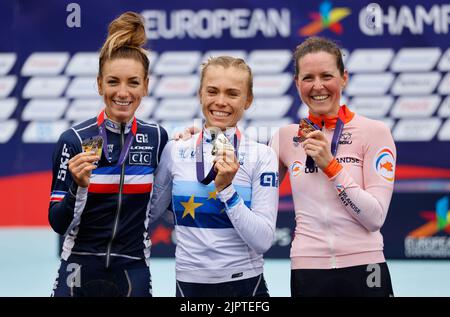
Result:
<point x="212" y="195"/>
<point x="189" y="207"/>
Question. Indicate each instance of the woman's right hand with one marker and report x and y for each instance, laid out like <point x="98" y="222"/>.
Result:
<point x="81" y="166"/>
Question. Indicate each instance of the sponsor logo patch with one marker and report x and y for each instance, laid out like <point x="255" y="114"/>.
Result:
<point x="140" y="158"/>
<point x="385" y="164"/>
<point x="296" y="168"/>
<point x="269" y="179"/>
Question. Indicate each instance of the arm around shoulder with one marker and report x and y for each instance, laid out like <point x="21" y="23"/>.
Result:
<point x="162" y="184"/>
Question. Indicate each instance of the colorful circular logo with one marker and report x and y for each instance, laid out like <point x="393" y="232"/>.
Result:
<point x="296" y="168"/>
<point x="340" y="188"/>
<point x="385" y="164"/>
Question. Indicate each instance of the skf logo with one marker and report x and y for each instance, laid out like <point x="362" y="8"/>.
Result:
<point x="437" y="221"/>
<point x="269" y="179"/>
<point x="326" y="18"/>
<point x="385" y="164"/>
<point x="296" y="168"/>
<point x="63" y="164"/>
<point x="141" y="138"/>
<point x="140" y="158"/>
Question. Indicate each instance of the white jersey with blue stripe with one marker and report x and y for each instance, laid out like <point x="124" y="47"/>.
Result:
<point x="220" y="236"/>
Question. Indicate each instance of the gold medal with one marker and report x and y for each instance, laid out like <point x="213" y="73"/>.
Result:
<point x="93" y="144"/>
<point x="304" y="127"/>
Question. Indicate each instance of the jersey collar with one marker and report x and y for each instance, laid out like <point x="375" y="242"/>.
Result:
<point x="330" y="121"/>
<point x="115" y="126"/>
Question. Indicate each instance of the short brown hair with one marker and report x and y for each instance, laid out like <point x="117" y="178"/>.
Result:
<point x="318" y="44"/>
<point x="126" y="36"/>
<point x="225" y="62"/>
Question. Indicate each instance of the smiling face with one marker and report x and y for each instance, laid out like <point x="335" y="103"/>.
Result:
<point x="224" y="96"/>
<point x="122" y="85"/>
<point x="320" y="83"/>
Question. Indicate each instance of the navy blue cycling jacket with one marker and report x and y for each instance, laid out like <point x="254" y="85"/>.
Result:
<point x="110" y="217"/>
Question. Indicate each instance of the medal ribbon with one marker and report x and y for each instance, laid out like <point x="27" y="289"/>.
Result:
<point x="200" y="160"/>
<point x="128" y="141"/>
<point x="335" y="140"/>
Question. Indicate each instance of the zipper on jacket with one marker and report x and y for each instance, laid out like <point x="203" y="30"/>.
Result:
<point x="119" y="199"/>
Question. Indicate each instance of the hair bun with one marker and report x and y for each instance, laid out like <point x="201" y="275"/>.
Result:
<point x="126" y="30"/>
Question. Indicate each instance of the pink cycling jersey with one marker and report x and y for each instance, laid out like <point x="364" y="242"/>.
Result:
<point x="339" y="212"/>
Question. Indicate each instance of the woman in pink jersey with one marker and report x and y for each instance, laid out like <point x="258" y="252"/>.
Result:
<point x="342" y="177"/>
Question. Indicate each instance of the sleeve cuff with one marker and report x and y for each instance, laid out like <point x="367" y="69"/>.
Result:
<point x="75" y="190"/>
<point x="333" y="168"/>
<point x="229" y="196"/>
<point x="226" y="193"/>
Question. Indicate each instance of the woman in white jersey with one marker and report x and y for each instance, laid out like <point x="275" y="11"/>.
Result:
<point x="224" y="203"/>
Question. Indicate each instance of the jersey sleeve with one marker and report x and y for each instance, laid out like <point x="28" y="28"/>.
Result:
<point x="63" y="191"/>
<point x="163" y="141"/>
<point x="369" y="204"/>
<point x="274" y="143"/>
<point x="256" y="225"/>
<point x="162" y="186"/>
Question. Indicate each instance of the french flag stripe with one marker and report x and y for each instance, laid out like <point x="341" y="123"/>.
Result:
<point x="58" y="192"/>
<point x="129" y="170"/>
<point x="57" y="195"/>
<point x="114" y="188"/>
<point x="115" y="179"/>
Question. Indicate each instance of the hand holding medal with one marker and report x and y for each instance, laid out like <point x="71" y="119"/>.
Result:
<point x="314" y="143"/>
<point x="304" y="127"/>
<point x="317" y="146"/>
<point x="82" y="164"/>
<point x="222" y="144"/>
<point x="226" y="164"/>
<point x="93" y="144"/>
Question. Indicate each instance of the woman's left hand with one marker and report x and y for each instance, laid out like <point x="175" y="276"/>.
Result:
<point x="317" y="146"/>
